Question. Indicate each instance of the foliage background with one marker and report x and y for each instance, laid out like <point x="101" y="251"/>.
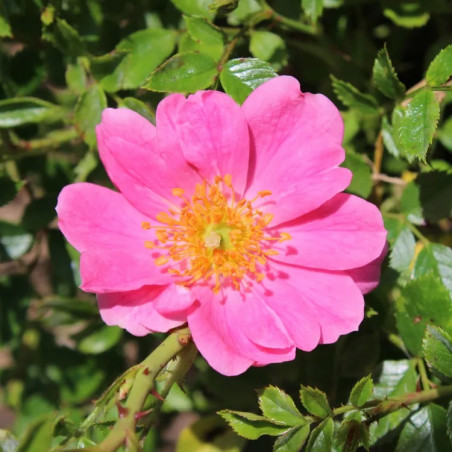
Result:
<point x="63" y="61"/>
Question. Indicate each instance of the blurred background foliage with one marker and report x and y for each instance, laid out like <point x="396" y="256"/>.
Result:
<point x="63" y="61"/>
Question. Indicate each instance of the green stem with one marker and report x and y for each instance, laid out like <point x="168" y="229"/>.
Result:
<point x="410" y="225"/>
<point x="375" y="409"/>
<point x="182" y="365"/>
<point x="423" y="374"/>
<point x="144" y="383"/>
<point x="270" y="13"/>
<point x="393" y="404"/>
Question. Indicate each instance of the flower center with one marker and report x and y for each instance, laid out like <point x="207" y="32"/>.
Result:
<point x="214" y="237"/>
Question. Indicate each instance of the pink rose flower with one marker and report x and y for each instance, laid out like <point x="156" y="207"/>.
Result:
<point x="231" y="219"/>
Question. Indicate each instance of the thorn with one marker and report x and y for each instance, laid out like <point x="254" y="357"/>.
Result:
<point x="141" y="414"/>
<point x="157" y="395"/>
<point x="122" y="411"/>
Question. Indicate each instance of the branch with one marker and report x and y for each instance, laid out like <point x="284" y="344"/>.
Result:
<point x="144" y="384"/>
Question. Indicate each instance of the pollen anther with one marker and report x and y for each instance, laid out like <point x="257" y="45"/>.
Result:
<point x="215" y="237"/>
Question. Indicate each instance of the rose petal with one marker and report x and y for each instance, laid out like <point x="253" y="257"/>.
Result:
<point x="295" y="148"/>
<point x="332" y="300"/>
<point x="212" y="133"/>
<point x="91" y="216"/>
<point x="108" y="231"/>
<point x="136" y="164"/>
<point x="346" y="232"/>
<point x="136" y="311"/>
<point x="225" y="320"/>
<point x="368" y="277"/>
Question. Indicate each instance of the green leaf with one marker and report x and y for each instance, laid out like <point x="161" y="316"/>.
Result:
<point x="76" y="78"/>
<point x="183" y="73"/>
<point x="26" y="110"/>
<point x="437" y="348"/>
<point x="351" y="434"/>
<point x="361" y="183"/>
<point x="223" y="6"/>
<point x="140" y="107"/>
<point x="98" y="340"/>
<point x="415" y="127"/>
<point x="64" y="37"/>
<point x="135" y="57"/>
<point x="428" y="197"/>
<point x="39" y="213"/>
<point x="384" y="76"/>
<point x="444" y="133"/>
<point x="5" y="29"/>
<point x="293" y="440"/>
<point x="8" y="442"/>
<point x="351" y="97"/>
<point x="14" y="241"/>
<point x="251" y="426"/>
<point x="440" y="69"/>
<point x="425" y="431"/>
<point x="312" y="8"/>
<point x="395" y="378"/>
<point x="362" y="391"/>
<point x="241" y="76"/>
<point x="435" y="258"/>
<point x="321" y="438"/>
<point x="423" y="301"/>
<point x="207" y="434"/>
<point x="194" y="7"/>
<point x="277" y="406"/>
<point x="408" y="14"/>
<point x="269" y="47"/>
<point x="315" y="401"/>
<point x="403" y="251"/>
<point x="8" y="190"/>
<point x="102" y="405"/>
<point x="39" y="434"/>
<point x="209" y="39"/>
<point x="88" y="113"/>
<point x="387" y="133"/>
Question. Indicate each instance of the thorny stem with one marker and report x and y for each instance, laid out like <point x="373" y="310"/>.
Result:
<point x="270" y="14"/>
<point x="144" y="383"/>
<point x="375" y="409"/>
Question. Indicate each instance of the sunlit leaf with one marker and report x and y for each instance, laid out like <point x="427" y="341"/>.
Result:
<point x="384" y="76"/>
<point x="276" y="405"/>
<point x="353" y="98"/>
<point x="315" y="401"/>
<point x="440" y="68"/>
<point x="252" y="426"/>
<point x="423" y="301"/>
<point x="241" y="76"/>
<point x="26" y="110"/>
<point x="321" y="438"/>
<point x="293" y="440"/>
<point x="362" y="391"/>
<point x="209" y="40"/>
<point x="313" y="8"/>
<point x="183" y="73"/>
<point x="425" y="431"/>
<point x="437" y="349"/>
<point x="88" y="113"/>
<point x="414" y="129"/>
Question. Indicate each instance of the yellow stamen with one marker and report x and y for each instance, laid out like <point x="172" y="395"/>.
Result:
<point x="214" y="237"/>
